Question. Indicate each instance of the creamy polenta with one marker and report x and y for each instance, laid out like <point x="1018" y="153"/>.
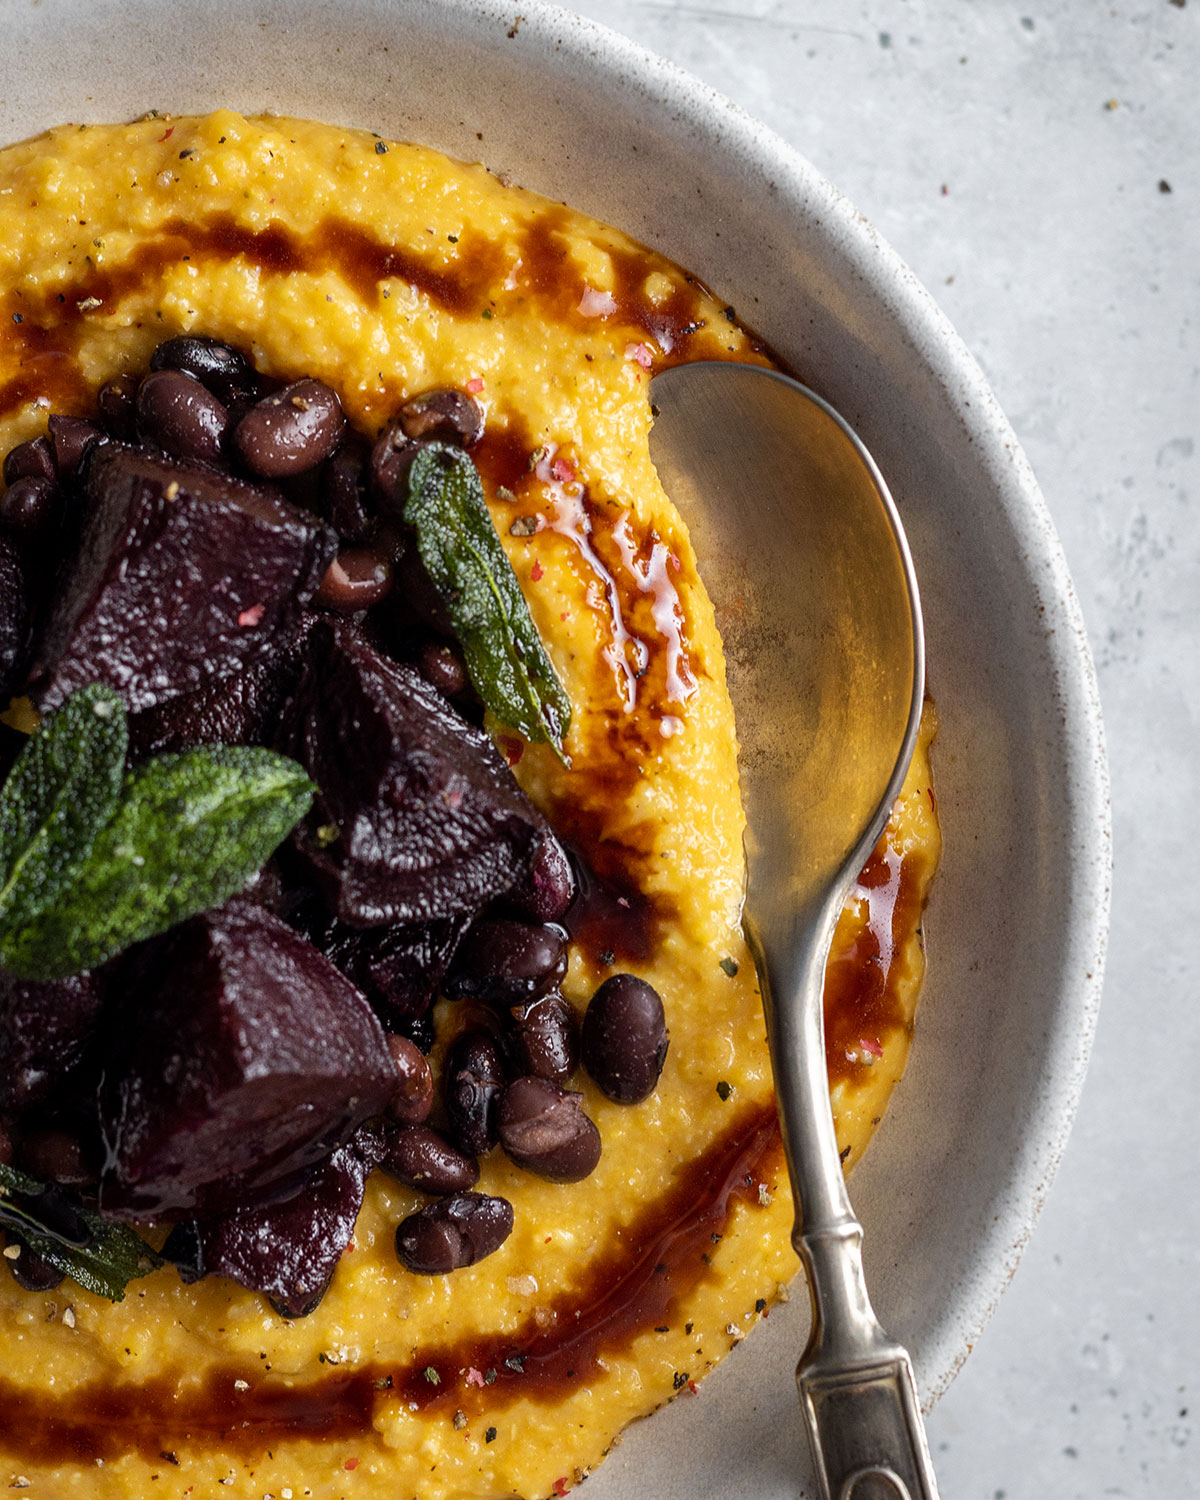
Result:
<point x="385" y="269"/>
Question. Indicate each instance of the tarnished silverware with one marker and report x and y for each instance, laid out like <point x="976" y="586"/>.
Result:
<point x="802" y="550"/>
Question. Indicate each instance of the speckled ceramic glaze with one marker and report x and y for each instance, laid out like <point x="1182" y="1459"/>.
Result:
<point x="952" y="1185"/>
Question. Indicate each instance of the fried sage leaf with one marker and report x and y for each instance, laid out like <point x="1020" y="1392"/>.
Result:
<point x="467" y="565"/>
<point x="101" y="1256"/>
<point x="94" y="858"/>
<point x="188" y="832"/>
<point x="60" y="793"/>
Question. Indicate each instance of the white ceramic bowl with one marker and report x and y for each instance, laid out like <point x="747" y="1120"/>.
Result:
<point x="952" y="1185"/>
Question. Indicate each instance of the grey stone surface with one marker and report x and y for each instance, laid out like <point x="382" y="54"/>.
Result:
<point x="1038" y="165"/>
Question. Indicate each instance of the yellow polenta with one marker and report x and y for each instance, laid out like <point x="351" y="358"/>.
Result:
<point x="385" y="270"/>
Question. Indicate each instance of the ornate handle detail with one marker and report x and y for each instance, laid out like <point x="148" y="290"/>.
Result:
<point x="866" y="1432"/>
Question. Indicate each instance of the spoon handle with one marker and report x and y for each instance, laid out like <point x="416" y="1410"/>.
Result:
<point x="856" y="1384"/>
<point x="864" y="1424"/>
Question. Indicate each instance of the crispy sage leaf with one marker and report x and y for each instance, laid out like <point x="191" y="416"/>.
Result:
<point x="466" y="563"/>
<point x="101" y="1256"/>
<point x="188" y="832"/>
<point x="58" y="796"/>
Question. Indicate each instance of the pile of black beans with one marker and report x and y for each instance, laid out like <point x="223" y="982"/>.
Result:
<point x="203" y="402"/>
<point x="504" y="1080"/>
<point x="505" y="1076"/>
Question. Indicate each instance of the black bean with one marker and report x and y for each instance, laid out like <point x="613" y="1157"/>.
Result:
<point x="70" y="437"/>
<point x="625" y="1038"/>
<point x="444" y="416"/>
<point x="544" y="1129"/>
<point x="290" y="431"/>
<point x="547" y="889"/>
<point x="391" y="458"/>
<point x="413" y="1098"/>
<point x="57" y="1156"/>
<point x="356" y="579"/>
<point x="31" y="460"/>
<point x="179" y="414"/>
<point x="442" y="666"/>
<point x="423" y="1158"/>
<point x="507" y="962"/>
<point x="453" y="1232"/>
<point x="473" y="1078"/>
<point x="29" y="1270"/>
<point x="58" y="1212"/>
<point x="222" y="368"/>
<point x="546" y="1037"/>
<point x="344" y="491"/>
<point x="415" y="592"/>
<point x="117" y="403"/>
<point x="29" y="506"/>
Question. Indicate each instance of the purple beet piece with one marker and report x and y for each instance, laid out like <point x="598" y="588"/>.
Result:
<point x="418" y="818"/>
<point x="181" y="576"/>
<point x="240" y="710"/>
<point x="45" y="1031"/>
<point x="289" y="1251"/>
<point x="400" y="968"/>
<point x="243" y="1058"/>
<point x="14" y="615"/>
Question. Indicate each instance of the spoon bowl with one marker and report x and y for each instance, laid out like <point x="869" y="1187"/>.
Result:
<point x="803" y="552"/>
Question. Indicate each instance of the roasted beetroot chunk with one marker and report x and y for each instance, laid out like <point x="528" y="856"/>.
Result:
<point x="287" y="1250"/>
<point x="418" y="818"/>
<point x="243" y="1057"/>
<point x="14" y="615"/>
<point x="182" y="576"/>
<point x="240" y="710"/>
<point x="45" y="1030"/>
<point x="400" y="969"/>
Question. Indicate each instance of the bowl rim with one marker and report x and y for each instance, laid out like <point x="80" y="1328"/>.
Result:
<point x="850" y="237"/>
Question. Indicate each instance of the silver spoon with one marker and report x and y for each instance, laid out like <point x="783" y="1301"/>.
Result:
<point x="802" y="550"/>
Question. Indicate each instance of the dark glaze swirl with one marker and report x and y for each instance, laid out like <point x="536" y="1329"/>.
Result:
<point x="640" y="1283"/>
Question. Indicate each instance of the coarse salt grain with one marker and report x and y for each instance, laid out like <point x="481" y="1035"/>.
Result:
<point x="522" y="1286"/>
<point x="596" y="304"/>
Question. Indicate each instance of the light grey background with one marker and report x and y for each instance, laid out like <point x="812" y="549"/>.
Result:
<point x="1037" y="163"/>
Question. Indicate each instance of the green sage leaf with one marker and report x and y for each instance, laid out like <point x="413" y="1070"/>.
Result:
<point x="188" y="832"/>
<point x="101" y="1256"/>
<point x="466" y="563"/>
<point x="60" y="793"/>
